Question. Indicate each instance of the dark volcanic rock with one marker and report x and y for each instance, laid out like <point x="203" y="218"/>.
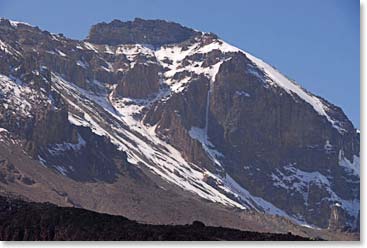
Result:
<point x="18" y="220"/>
<point x="152" y="32"/>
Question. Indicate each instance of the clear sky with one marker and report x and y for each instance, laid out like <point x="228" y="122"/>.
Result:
<point x="315" y="42"/>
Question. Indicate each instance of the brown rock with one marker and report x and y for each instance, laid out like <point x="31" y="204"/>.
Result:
<point x="140" y="81"/>
<point x="153" y="32"/>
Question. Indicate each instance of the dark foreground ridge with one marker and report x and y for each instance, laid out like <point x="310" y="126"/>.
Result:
<point x="21" y="220"/>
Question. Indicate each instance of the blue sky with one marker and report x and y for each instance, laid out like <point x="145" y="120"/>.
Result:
<point x="314" y="42"/>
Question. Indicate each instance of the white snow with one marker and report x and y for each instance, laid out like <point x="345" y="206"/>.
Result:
<point x="133" y="50"/>
<point x="242" y="93"/>
<point x="139" y="142"/>
<point x="4" y="47"/>
<point x="75" y="120"/>
<point x="3" y="130"/>
<point x="328" y="146"/>
<point x="293" y="179"/>
<point x="42" y="161"/>
<point x="61" y="169"/>
<point x="8" y="49"/>
<point x="60" y="53"/>
<point x="176" y="54"/>
<point x="108" y="50"/>
<point x="298" y="180"/>
<point x="82" y="64"/>
<point x="15" y="95"/>
<point x="218" y="45"/>
<point x="60" y="148"/>
<point x="200" y="135"/>
<point x="16" y="23"/>
<point x="90" y="46"/>
<point x="255" y="202"/>
<point x="351" y="167"/>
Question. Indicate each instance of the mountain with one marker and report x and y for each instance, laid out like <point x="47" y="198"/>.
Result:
<point x="164" y="124"/>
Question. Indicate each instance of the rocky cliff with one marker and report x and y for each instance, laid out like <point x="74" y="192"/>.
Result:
<point x="139" y="31"/>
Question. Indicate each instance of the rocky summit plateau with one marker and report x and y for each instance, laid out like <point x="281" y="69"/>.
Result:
<point x="167" y="125"/>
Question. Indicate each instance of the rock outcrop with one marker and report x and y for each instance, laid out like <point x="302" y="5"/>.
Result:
<point x="152" y="32"/>
<point x="140" y="81"/>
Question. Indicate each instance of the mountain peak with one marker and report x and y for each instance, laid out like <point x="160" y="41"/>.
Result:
<point x="152" y="32"/>
<point x="193" y="112"/>
<point x="12" y="23"/>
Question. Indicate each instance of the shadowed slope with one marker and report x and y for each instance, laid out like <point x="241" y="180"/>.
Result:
<point x="20" y="220"/>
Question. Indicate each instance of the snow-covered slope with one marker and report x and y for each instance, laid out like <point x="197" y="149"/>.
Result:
<point x="142" y="144"/>
<point x="144" y="147"/>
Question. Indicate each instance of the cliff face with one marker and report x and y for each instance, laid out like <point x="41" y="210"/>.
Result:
<point x="139" y="31"/>
<point x="266" y="138"/>
<point x="279" y="134"/>
<point x="140" y="81"/>
<point x="146" y="97"/>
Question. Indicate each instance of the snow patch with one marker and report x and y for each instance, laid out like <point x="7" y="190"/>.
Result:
<point x="256" y="202"/>
<point x="60" y="148"/>
<point x="295" y="179"/>
<point x="172" y="58"/>
<point x="82" y="64"/>
<point x="242" y="93"/>
<point x="90" y="46"/>
<point x="16" y="23"/>
<point x="14" y="95"/>
<point x="351" y="167"/>
<point x="6" y="48"/>
<point x="298" y="180"/>
<point x="3" y="130"/>
<point x="60" y="53"/>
